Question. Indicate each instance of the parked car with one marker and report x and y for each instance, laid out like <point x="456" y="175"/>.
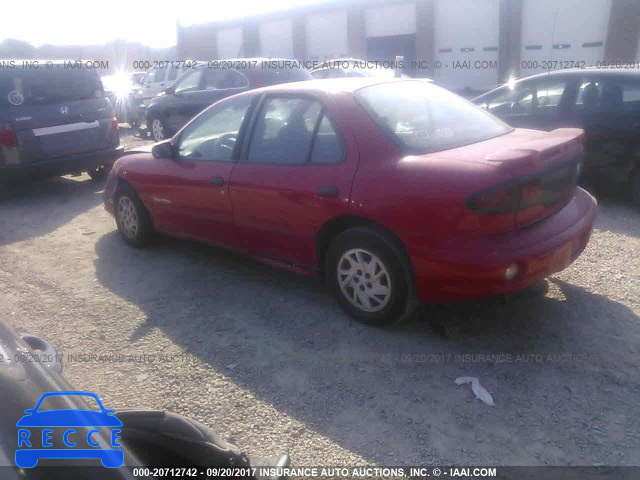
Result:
<point x="120" y="91"/>
<point x="394" y="191"/>
<point x="206" y="84"/>
<point x="31" y="383"/>
<point x="137" y="77"/>
<point x="353" y="67"/>
<point x="158" y="79"/>
<point x="55" y="121"/>
<point x="603" y="102"/>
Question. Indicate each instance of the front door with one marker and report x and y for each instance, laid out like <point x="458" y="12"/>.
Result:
<point x="195" y="192"/>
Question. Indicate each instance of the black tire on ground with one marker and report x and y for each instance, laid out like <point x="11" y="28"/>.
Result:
<point x="97" y="174"/>
<point x="132" y="218"/>
<point x="364" y="246"/>
<point x="635" y="189"/>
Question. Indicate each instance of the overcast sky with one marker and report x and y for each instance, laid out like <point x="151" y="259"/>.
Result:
<point x="151" y="22"/>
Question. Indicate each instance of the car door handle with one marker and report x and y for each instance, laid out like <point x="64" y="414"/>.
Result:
<point x="217" y="181"/>
<point x="327" y="192"/>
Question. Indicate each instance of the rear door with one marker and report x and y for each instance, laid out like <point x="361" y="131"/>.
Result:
<point x="295" y="173"/>
<point x="608" y="108"/>
<point x="57" y="112"/>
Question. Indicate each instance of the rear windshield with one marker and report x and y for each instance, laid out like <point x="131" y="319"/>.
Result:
<point x="50" y="85"/>
<point x="421" y="117"/>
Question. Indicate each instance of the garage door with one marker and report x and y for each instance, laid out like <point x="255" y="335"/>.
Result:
<point x="466" y="38"/>
<point x="562" y="31"/>
<point x="230" y="43"/>
<point x="326" y="35"/>
<point x="276" y="39"/>
<point x="391" y="32"/>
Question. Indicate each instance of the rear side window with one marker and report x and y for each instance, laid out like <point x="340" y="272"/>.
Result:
<point x="45" y="86"/>
<point x="616" y="95"/>
<point x="294" y="131"/>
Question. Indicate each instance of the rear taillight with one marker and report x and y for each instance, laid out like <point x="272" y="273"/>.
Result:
<point x="545" y="188"/>
<point x="8" y="136"/>
<point x="496" y="201"/>
<point x="114" y="124"/>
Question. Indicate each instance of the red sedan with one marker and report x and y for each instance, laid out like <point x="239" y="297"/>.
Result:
<point x="394" y="191"/>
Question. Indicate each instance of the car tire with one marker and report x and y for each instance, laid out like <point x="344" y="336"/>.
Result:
<point x="97" y="174"/>
<point x="158" y="129"/>
<point x="635" y="189"/>
<point x="132" y="218"/>
<point x="354" y="259"/>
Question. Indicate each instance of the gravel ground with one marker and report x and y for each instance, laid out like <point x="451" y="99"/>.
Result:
<point x="269" y="360"/>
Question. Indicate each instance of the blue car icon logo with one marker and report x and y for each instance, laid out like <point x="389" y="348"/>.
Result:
<point x="69" y="434"/>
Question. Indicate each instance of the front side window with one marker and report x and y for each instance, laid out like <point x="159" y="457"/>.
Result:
<point x="421" y="117"/>
<point x="512" y="101"/>
<point x="212" y="136"/>
<point x="549" y="93"/>
<point x="224" y="78"/>
<point x="189" y="82"/>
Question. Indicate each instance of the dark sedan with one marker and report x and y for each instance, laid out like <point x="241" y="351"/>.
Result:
<point x="603" y="102"/>
<point x="211" y="81"/>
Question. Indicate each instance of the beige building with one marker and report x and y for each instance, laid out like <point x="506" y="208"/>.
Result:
<point x="460" y="43"/>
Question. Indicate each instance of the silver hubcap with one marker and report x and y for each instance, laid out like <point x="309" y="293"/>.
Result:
<point x="157" y="129"/>
<point x="364" y="280"/>
<point x="128" y="217"/>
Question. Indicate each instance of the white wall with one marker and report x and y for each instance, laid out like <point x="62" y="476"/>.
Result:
<point x="574" y="22"/>
<point x="276" y="38"/>
<point x="326" y="35"/>
<point x="390" y="20"/>
<point x="463" y="24"/>
<point x="229" y="42"/>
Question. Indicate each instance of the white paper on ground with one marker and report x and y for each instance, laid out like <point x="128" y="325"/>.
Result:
<point x="477" y="389"/>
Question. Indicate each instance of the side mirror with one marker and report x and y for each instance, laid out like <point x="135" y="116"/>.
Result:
<point x="162" y="150"/>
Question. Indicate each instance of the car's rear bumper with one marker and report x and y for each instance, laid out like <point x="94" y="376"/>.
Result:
<point x="61" y="166"/>
<point x="472" y="268"/>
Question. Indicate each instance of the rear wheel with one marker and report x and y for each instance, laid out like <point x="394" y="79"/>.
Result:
<point x="132" y="218"/>
<point x="368" y="276"/>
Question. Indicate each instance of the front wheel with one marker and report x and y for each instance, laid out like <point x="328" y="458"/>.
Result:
<point x="158" y="129"/>
<point x="132" y="218"/>
<point x="97" y="174"/>
<point x="368" y="275"/>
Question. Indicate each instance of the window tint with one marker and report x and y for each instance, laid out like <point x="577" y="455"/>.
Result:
<point x="512" y="101"/>
<point x="173" y="74"/>
<point x="421" y="117"/>
<point x="283" y="131"/>
<point x="549" y="94"/>
<point x="327" y="145"/>
<point x="608" y="95"/>
<point x="43" y="86"/>
<point x="217" y="79"/>
<point x="212" y="135"/>
<point x="189" y="81"/>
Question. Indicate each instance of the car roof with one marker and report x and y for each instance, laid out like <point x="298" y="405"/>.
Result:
<point x="332" y="85"/>
<point x="590" y="71"/>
